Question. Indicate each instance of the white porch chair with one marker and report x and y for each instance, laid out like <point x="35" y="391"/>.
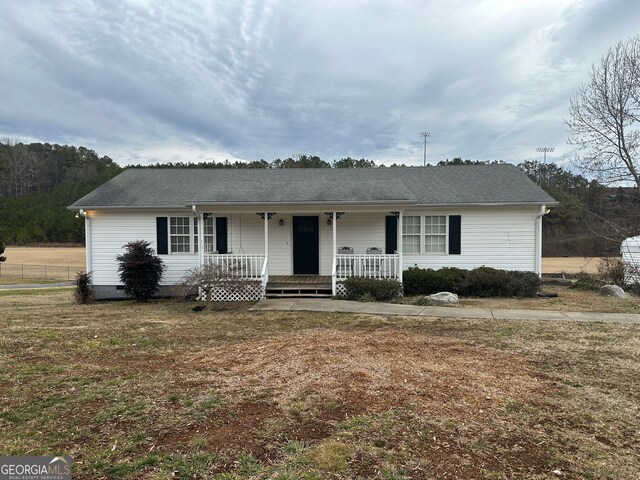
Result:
<point x="345" y="266"/>
<point x="372" y="265"/>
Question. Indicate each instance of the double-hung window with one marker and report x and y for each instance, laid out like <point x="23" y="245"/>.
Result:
<point x="435" y="234"/>
<point x="209" y="234"/>
<point x="183" y="234"/>
<point x="411" y="234"/>
<point x="426" y="234"/>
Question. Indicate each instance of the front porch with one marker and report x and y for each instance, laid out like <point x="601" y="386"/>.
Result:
<point x="308" y="253"/>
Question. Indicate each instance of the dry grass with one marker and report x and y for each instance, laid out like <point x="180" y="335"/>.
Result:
<point x="24" y="281"/>
<point x="568" y="300"/>
<point x="73" y="256"/>
<point x="143" y="391"/>
<point x="570" y="264"/>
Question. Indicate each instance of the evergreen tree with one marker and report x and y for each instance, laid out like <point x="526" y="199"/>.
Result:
<point x="140" y="269"/>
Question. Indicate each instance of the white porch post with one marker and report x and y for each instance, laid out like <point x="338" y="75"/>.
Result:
<point x="201" y="238"/>
<point x="266" y="235"/>
<point x="334" y="224"/>
<point x="87" y="242"/>
<point x="537" y="262"/>
<point x="400" y="246"/>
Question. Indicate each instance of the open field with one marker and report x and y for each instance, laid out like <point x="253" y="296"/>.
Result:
<point x="157" y="391"/>
<point x="570" y="264"/>
<point x="73" y="256"/>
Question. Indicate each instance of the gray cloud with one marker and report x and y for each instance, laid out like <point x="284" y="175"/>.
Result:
<point x="186" y="80"/>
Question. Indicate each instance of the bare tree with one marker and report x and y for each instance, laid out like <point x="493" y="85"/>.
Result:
<point x="605" y="116"/>
<point x="17" y="169"/>
<point x="202" y="282"/>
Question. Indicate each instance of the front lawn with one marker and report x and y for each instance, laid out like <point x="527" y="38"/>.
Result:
<point x="157" y="391"/>
<point x="568" y="300"/>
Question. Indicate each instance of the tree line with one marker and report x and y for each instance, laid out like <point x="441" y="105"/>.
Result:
<point x="38" y="181"/>
<point x="590" y="220"/>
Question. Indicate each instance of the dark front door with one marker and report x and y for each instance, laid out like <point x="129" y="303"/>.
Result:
<point x="306" y="246"/>
<point x="391" y="234"/>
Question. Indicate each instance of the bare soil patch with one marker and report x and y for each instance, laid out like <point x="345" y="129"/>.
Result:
<point x="374" y="371"/>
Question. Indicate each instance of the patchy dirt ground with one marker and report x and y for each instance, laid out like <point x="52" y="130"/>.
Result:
<point x="156" y="391"/>
<point x="373" y="371"/>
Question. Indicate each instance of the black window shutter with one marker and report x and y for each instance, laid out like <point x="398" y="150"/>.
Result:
<point x="454" y="234"/>
<point x="162" y="235"/>
<point x="391" y="234"/>
<point x="221" y="234"/>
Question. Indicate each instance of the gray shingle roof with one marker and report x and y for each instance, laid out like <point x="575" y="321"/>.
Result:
<point x="445" y="185"/>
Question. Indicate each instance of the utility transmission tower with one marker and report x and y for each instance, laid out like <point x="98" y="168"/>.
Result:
<point x="425" y="135"/>
<point x="543" y="150"/>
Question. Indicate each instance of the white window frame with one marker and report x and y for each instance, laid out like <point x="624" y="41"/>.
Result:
<point x="211" y="236"/>
<point x="193" y="237"/>
<point x="423" y="234"/>
<point x="419" y="234"/>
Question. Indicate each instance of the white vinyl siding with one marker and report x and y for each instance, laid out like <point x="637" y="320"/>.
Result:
<point x="110" y="231"/>
<point x="499" y="237"/>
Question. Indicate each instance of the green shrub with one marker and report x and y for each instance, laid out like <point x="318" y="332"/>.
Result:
<point x="426" y="281"/>
<point x="140" y="269"/>
<point x="589" y="283"/>
<point x="423" y="302"/>
<point x="523" y="284"/>
<point x="83" y="293"/>
<point x="479" y="282"/>
<point x="366" y="288"/>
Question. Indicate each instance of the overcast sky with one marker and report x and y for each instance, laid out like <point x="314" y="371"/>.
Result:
<point x="145" y="81"/>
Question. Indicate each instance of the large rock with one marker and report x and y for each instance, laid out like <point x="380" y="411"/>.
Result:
<point x="612" y="291"/>
<point x="444" y="298"/>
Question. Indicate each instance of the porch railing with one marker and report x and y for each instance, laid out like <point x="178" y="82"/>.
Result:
<point x="264" y="274"/>
<point x="246" y="267"/>
<point x="368" y="266"/>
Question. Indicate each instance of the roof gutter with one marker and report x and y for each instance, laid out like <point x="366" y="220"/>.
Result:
<point x="331" y="202"/>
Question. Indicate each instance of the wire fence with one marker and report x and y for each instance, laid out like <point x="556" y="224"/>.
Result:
<point x="46" y="272"/>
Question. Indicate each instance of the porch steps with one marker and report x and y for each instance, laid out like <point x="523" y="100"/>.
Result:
<point x="291" y="290"/>
<point x="298" y="287"/>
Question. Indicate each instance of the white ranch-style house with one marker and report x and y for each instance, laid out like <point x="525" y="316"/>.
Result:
<point x="304" y="231"/>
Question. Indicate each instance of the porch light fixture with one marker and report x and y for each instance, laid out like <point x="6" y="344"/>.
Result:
<point x="281" y="222"/>
<point x="329" y="221"/>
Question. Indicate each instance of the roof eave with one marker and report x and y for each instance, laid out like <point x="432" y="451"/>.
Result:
<point x="412" y="203"/>
<point x="490" y="204"/>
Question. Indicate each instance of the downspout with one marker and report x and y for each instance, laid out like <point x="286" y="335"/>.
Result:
<point x="197" y="215"/>
<point x="538" y="247"/>
<point x="87" y="239"/>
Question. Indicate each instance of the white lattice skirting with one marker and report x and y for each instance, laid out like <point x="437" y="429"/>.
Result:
<point x="341" y="290"/>
<point x="247" y="292"/>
